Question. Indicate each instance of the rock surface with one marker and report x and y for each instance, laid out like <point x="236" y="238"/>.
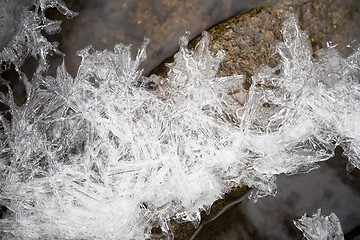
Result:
<point x="247" y="40"/>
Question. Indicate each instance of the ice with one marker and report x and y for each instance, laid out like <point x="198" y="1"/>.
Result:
<point x="21" y="36"/>
<point x="100" y="156"/>
<point x="319" y="227"/>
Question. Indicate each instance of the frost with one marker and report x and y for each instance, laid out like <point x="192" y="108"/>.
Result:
<point x="24" y="27"/>
<point x="100" y="156"/>
<point x="319" y="227"/>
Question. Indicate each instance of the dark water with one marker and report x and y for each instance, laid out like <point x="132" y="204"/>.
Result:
<point x="330" y="188"/>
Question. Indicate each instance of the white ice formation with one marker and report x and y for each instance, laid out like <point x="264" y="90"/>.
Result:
<point x="319" y="227"/>
<point x="100" y="156"/>
<point x="21" y="30"/>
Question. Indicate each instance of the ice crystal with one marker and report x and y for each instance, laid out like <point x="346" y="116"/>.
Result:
<point x="100" y="156"/>
<point x="319" y="227"/>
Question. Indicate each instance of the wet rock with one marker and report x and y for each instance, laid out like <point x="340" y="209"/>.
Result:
<point x="248" y="41"/>
<point x="183" y="231"/>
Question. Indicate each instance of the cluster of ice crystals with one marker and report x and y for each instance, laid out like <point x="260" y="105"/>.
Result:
<point x="319" y="227"/>
<point x="100" y="156"/>
<point x="22" y="26"/>
<point x="312" y="103"/>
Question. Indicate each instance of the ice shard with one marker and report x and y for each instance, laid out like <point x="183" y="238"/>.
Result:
<point x="320" y="227"/>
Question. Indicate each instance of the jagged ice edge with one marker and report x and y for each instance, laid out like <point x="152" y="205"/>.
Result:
<point x="27" y="40"/>
<point x="319" y="227"/>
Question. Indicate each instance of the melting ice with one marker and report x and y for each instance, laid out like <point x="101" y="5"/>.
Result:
<point x="319" y="227"/>
<point x="100" y="157"/>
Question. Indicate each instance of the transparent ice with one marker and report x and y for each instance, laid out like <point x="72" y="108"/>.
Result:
<point x="20" y="33"/>
<point x="319" y="227"/>
<point x="100" y="156"/>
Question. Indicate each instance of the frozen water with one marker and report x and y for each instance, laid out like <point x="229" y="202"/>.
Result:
<point x="100" y="156"/>
<point x="319" y="227"/>
<point x="21" y="26"/>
